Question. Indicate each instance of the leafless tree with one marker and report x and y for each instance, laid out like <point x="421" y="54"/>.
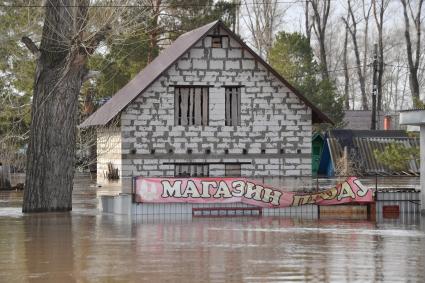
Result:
<point x="378" y="13"/>
<point x="366" y="9"/>
<point x="352" y="28"/>
<point x="345" y="67"/>
<point x="413" y="53"/>
<point x="262" y="19"/>
<point x="321" y="10"/>
<point x="308" y="25"/>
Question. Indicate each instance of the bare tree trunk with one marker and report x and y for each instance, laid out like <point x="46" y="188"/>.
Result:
<point x="413" y="62"/>
<point x="346" y="75"/>
<point x="396" y="90"/>
<point x="320" y="21"/>
<point x="308" y="26"/>
<point x="59" y="74"/>
<point x="379" y="21"/>
<point x="353" y="32"/>
<point x="403" y="97"/>
<point x="366" y="54"/>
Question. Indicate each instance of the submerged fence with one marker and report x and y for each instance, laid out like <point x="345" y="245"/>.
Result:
<point x="399" y="194"/>
<point x="394" y="195"/>
<point x="310" y="184"/>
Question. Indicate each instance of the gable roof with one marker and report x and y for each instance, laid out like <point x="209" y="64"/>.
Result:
<point x="165" y="60"/>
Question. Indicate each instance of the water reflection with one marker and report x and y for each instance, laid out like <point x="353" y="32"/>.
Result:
<point x="48" y="258"/>
<point x="85" y="246"/>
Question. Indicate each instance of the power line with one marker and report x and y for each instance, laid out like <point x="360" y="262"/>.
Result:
<point x="160" y="6"/>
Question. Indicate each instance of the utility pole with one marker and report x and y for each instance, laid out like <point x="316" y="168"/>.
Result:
<point x="374" y="86"/>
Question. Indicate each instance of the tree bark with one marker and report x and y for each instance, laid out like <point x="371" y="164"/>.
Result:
<point x="413" y="62"/>
<point x="366" y="55"/>
<point x="353" y="32"/>
<point x="320" y="22"/>
<point x="58" y="78"/>
<point x="346" y="75"/>
<point x="307" y="22"/>
<point x="379" y="21"/>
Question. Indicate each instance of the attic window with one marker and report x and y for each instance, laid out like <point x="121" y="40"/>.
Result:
<point x="216" y="42"/>
<point x="191" y="106"/>
<point x="233" y="106"/>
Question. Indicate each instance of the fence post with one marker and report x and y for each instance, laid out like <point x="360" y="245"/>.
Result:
<point x="375" y="197"/>
<point x="376" y="182"/>
<point x="132" y="187"/>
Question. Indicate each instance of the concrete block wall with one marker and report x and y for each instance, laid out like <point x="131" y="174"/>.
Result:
<point x="108" y="150"/>
<point x="272" y="118"/>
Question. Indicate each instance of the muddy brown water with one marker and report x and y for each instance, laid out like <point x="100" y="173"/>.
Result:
<point x="87" y="246"/>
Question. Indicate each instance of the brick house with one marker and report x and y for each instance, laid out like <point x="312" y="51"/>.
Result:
<point x="206" y="106"/>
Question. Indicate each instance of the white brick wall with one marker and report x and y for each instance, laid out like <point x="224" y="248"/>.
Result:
<point x="272" y="117"/>
<point x="108" y="150"/>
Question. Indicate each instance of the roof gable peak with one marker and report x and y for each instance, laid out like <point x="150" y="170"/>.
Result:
<point x="164" y="61"/>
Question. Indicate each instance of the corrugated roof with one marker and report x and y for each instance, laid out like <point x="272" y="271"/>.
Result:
<point x="361" y="146"/>
<point x="161" y="63"/>
<point x="367" y="146"/>
<point x="346" y="137"/>
<point x="335" y="150"/>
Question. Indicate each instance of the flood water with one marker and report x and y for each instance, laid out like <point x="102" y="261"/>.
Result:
<point x="86" y="246"/>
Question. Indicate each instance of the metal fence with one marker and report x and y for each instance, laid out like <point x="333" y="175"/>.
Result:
<point x="311" y="184"/>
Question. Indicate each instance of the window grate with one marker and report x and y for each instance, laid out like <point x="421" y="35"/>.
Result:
<point x="191" y="106"/>
<point x="233" y="106"/>
<point x="191" y="170"/>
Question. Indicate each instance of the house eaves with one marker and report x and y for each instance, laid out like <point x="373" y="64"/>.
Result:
<point x="164" y="61"/>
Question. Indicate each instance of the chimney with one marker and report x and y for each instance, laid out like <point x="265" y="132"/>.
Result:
<point x="387" y="122"/>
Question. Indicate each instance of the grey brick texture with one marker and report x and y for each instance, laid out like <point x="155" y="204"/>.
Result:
<point x="273" y="119"/>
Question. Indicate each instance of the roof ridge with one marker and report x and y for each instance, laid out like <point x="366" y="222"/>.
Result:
<point x="194" y="30"/>
<point x="167" y="58"/>
<point x="146" y="77"/>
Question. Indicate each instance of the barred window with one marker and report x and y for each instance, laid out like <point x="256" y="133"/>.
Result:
<point x="233" y="106"/>
<point x="191" y="106"/>
<point x="191" y="170"/>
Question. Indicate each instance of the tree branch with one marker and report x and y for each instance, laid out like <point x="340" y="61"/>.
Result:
<point x="31" y="46"/>
<point x="99" y="36"/>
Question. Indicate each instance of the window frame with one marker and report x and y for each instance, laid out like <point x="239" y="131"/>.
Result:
<point x="217" y="37"/>
<point x="228" y="170"/>
<point x="230" y="92"/>
<point x="194" y="95"/>
<point x="191" y="167"/>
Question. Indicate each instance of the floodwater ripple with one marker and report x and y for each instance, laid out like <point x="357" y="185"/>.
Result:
<point x="87" y="246"/>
